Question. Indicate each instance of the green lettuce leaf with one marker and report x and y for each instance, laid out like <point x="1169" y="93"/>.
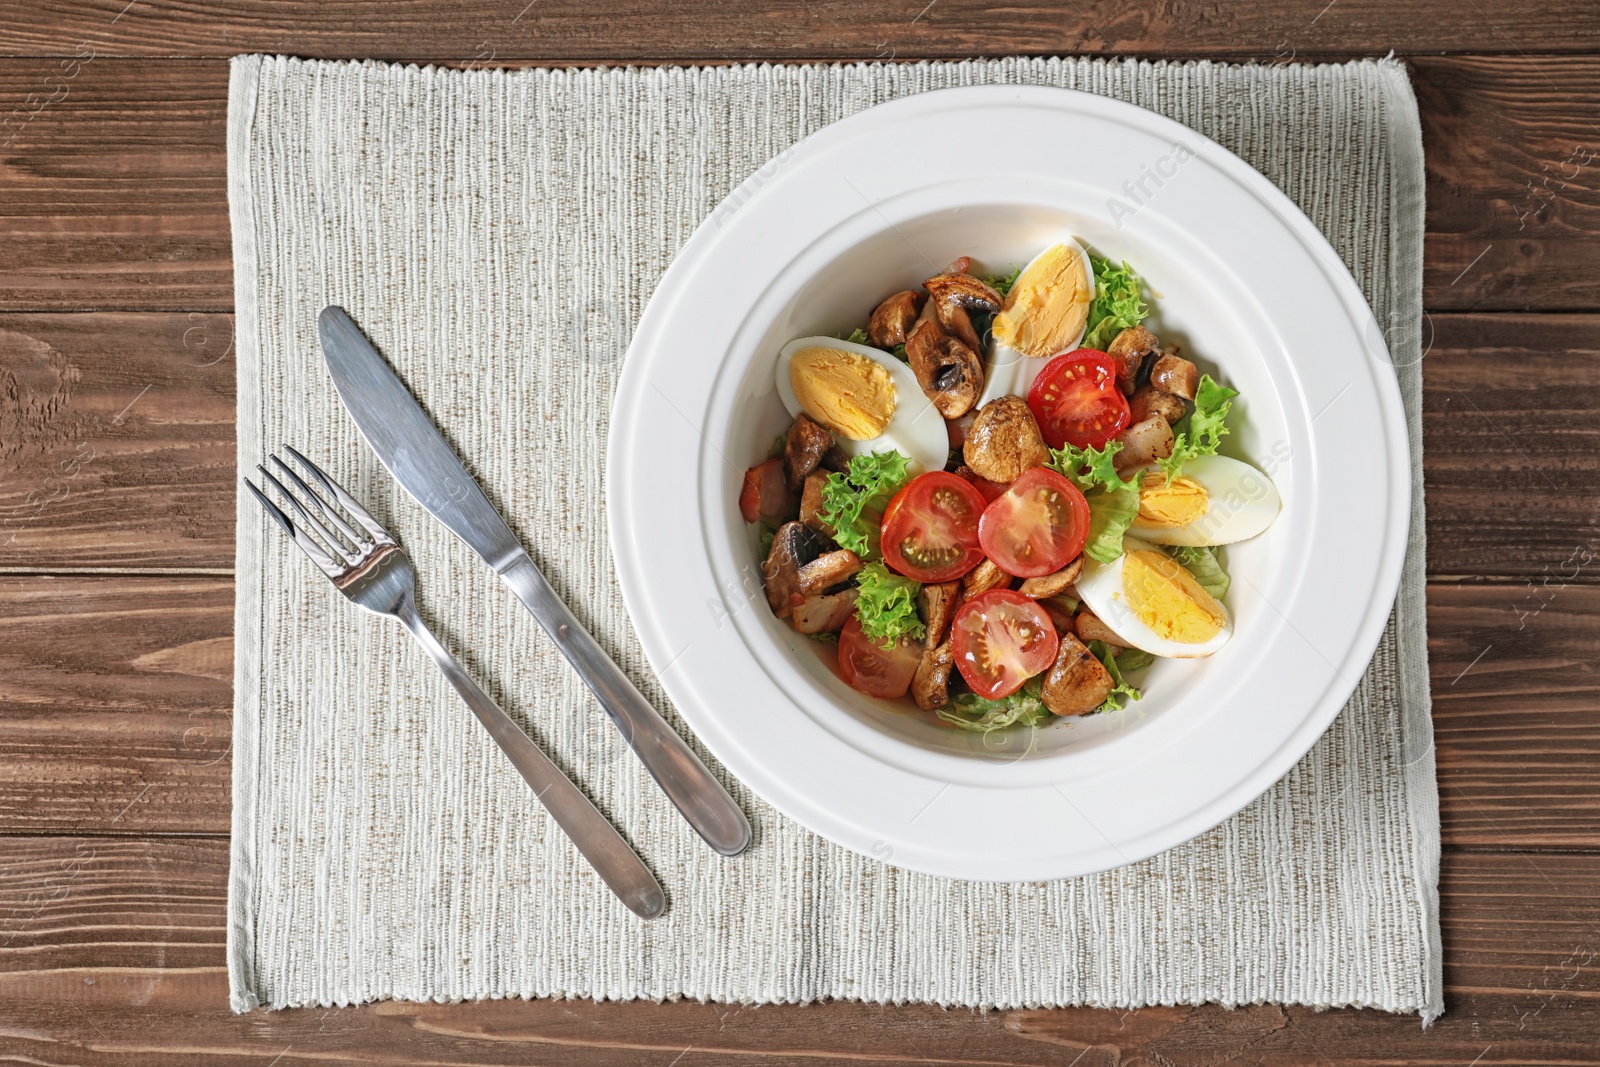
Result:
<point x="1087" y="468"/>
<point x="1122" y="694"/>
<point x="1111" y="512"/>
<point x="1118" y="303"/>
<point x="1002" y="285"/>
<point x="886" y="605"/>
<point x="1203" y="564"/>
<point x="853" y="499"/>
<point x="1025" y="707"/>
<point x="1205" y="427"/>
<point x="858" y="336"/>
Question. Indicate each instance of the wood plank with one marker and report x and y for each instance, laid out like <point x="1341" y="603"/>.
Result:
<point x="116" y="441"/>
<point x="115" y="704"/>
<point x="1513" y="464"/>
<point x="775" y="29"/>
<point x="111" y="952"/>
<point x="1511" y="446"/>
<point x="114" y="194"/>
<point x="1513" y="211"/>
<point x="115" y="699"/>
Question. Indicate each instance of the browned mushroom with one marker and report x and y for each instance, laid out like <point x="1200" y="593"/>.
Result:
<point x="793" y="546"/>
<point x="1060" y="616"/>
<point x="803" y="450"/>
<point x="955" y="297"/>
<point x="1128" y="351"/>
<point x="1053" y="584"/>
<point x="836" y="459"/>
<point x="892" y="320"/>
<point x="1175" y="375"/>
<point x="825" y="614"/>
<point x="937" y="603"/>
<point x="1004" y="441"/>
<point x="950" y="373"/>
<point x="1078" y="683"/>
<point x="811" y="502"/>
<point x="1087" y="625"/>
<point x="985" y="576"/>
<point x="827" y="571"/>
<point x="1143" y="443"/>
<point x="930" y="686"/>
<point x="1147" y="400"/>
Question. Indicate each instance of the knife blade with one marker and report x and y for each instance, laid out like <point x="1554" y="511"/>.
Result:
<point x="410" y="445"/>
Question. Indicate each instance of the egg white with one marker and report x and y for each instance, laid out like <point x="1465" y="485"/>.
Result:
<point x="1009" y="371"/>
<point x="1100" y="589"/>
<point x="916" y="429"/>
<point x="1242" y="502"/>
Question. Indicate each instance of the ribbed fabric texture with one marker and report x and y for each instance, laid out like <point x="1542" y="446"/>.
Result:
<point x="498" y="233"/>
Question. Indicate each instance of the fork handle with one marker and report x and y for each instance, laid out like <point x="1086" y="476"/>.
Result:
<point x="686" y="781"/>
<point x="596" y="838"/>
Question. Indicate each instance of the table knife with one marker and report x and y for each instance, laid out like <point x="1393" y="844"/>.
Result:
<point x="416" y="453"/>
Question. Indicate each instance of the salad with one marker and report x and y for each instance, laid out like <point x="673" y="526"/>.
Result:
<point x="1004" y="495"/>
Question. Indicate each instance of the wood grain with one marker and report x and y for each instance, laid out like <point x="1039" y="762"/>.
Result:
<point x="1511" y="446"/>
<point x="115" y="704"/>
<point x="116" y="441"/>
<point x="115" y="700"/>
<point x="566" y="30"/>
<point x="111" y="952"/>
<point x="114" y="195"/>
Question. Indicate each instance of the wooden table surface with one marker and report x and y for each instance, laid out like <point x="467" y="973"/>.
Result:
<point x="116" y="527"/>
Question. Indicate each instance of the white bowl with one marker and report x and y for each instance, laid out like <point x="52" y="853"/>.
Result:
<point x="1254" y="293"/>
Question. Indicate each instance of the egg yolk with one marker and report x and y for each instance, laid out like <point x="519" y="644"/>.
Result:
<point x="1165" y="504"/>
<point x="847" y="392"/>
<point x="1167" y="599"/>
<point x="1048" y="304"/>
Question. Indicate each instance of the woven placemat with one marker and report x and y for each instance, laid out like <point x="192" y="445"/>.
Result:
<point x="499" y="233"/>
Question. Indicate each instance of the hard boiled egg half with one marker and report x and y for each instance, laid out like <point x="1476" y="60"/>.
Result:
<point x="1045" y="314"/>
<point x="867" y="398"/>
<point x="1215" y="500"/>
<point x="1152" y="602"/>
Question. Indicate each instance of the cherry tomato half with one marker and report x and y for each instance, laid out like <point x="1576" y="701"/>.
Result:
<point x="1037" y="526"/>
<point x="930" y="528"/>
<point x="871" y="669"/>
<point x="1076" y="400"/>
<point x="1001" y="639"/>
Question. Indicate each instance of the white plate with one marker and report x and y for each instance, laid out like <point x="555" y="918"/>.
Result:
<point x="809" y="245"/>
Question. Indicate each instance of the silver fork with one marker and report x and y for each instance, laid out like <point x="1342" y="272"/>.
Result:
<point x="373" y="572"/>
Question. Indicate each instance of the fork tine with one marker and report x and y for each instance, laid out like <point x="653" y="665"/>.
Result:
<point x="325" y="509"/>
<point x="308" y="545"/>
<point x="330" y="541"/>
<point x="346" y="501"/>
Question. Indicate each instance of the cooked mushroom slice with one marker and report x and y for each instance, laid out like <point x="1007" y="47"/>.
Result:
<point x="793" y="546"/>
<point x="1148" y="400"/>
<point x="803" y="450"/>
<point x="1053" y="584"/>
<point x="930" y="686"/>
<point x="811" y="502"/>
<point x="950" y="373"/>
<point x="982" y="578"/>
<point x="1128" y="350"/>
<point x="937" y="604"/>
<point x="892" y="320"/>
<point x="827" y="571"/>
<point x="1143" y="443"/>
<point x="1088" y="626"/>
<point x="1060" y="617"/>
<point x="1078" y="683"/>
<point x="825" y="614"/>
<point x="955" y="297"/>
<point x="836" y="459"/>
<point x="1004" y="441"/>
<point x="1175" y="375"/>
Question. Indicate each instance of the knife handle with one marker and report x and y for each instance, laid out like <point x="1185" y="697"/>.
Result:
<point x="681" y="775"/>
